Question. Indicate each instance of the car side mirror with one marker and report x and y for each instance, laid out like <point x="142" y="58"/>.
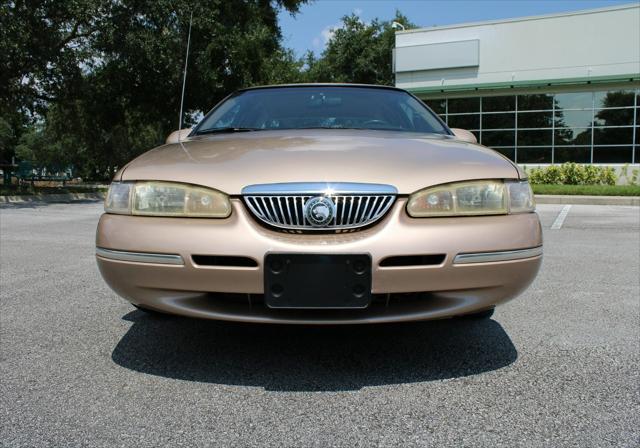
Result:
<point x="177" y="136"/>
<point x="464" y="135"/>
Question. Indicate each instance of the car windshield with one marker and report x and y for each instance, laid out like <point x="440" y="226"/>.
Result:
<point x="331" y="107"/>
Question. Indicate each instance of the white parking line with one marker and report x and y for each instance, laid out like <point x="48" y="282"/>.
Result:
<point x="557" y="224"/>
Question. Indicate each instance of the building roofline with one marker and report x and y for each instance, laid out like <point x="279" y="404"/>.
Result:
<point x="635" y="5"/>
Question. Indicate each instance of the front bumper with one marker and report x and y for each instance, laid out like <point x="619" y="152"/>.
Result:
<point x="466" y="280"/>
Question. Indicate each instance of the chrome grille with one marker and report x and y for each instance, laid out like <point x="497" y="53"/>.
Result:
<point x="354" y="205"/>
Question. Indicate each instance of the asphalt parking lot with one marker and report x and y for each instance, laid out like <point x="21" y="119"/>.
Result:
<point x="556" y="367"/>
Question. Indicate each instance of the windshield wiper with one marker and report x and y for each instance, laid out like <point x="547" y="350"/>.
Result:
<point x="227" y="130"/>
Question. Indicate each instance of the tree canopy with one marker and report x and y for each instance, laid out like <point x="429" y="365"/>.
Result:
<point x="93" y="83"/>
<point x="357" y="52"/>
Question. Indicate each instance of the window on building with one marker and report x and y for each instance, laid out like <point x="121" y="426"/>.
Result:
<point x="498" y="138"/>
<point x="540" y="154"/>
<point x="495" y="120"/>
<point x="438" y="106"/>
<point x="468" y="121"/>
<point x="578" y="154"/>
<point x="463" y="105"/>
<point x="498" y="103"/>
<point x="598" y="126"/>
<point x="538" y="101"/>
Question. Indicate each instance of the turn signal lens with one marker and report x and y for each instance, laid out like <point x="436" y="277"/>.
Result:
<point x="118" y="198"/>
<point x="167" y="199"/>
<point x="521" y="198"/>
<point x="473" y="198"/>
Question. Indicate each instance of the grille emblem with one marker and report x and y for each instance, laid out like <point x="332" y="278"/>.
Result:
<point x="319" y="211"/>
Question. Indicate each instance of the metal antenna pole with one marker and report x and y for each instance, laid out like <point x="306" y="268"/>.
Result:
<point x="184" y="78"/>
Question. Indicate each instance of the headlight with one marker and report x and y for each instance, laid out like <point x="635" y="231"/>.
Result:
<point x="166" y="199"/>
<point x="482" y="197"/>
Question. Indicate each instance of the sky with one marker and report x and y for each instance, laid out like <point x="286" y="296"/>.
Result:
<point x="311" y="27"/>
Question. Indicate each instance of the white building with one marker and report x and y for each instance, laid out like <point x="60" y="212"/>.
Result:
<point x="545" y="89"/>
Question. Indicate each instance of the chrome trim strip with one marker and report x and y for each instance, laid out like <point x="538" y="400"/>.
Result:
<point x="353" y="199"/>
<point x="316" y="188"/>
<point x="139" y="257"/>
<point x="487" y="257"/>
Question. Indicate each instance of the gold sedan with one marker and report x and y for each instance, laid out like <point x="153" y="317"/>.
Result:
<point x="320" y="204"/>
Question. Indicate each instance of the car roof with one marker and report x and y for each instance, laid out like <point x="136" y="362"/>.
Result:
<point x="323" y="84"/>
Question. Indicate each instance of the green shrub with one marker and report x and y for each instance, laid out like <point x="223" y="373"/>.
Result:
<point x="573" y="174"/>
<point x="536" y="176"/>
<point x="554" y="175"/>
<point x="550" y="175"/>
<point x="607" y="176"/>
<point x="591" y="176"/>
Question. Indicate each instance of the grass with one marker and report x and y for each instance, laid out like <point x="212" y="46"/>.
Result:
<point x="588" y="190"/>
<point x="16" y="190"/>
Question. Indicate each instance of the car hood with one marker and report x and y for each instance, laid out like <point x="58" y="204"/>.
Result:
<point x="408" y="161"/>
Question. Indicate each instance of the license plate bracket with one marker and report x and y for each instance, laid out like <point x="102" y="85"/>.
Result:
<point x="317" y="281"/>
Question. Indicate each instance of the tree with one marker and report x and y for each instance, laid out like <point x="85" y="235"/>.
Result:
<point x="42" y="44"/>
<point x="357" y="52"/>
<point x="103" y="78"/>
<point x="6" y="137"/>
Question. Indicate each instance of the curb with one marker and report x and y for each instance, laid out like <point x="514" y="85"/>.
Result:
<point x="587" y="200"/>
<point x="52" y="198"/>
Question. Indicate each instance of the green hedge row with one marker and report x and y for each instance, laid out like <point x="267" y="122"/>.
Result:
<point x="573" y="174"/>
<point x="590" y="190"/>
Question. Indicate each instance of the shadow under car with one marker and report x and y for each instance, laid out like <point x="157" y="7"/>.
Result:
<point x="304" y="358"/>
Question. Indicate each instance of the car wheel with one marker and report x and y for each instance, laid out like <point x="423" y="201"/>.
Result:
<point x="486" y="314"/>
